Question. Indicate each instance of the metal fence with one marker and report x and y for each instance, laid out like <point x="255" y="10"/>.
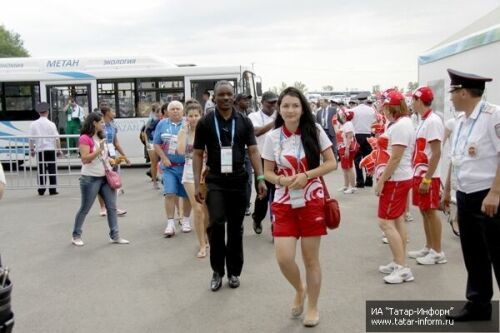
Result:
<point x="28" y="169"/>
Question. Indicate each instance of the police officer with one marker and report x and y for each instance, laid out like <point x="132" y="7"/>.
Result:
<point x="475" y="153"/>
<point x="224" y="134"/>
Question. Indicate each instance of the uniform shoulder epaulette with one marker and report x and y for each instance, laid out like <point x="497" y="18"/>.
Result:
<point x="489" y="108"/>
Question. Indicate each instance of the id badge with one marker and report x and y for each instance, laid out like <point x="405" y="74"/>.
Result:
<point x="172" y="146"/>
<point x="111" y="150"/>
<point x="69" y="117"/>
<point x="297" y="198"/>
<point x="226" y="160"/>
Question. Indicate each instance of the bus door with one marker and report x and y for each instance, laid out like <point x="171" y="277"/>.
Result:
<point x="58" y="97"/>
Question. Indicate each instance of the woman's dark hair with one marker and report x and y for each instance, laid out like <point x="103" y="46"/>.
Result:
<point x="164" y="109"/>
<point x="308" y="130"/>
<point x="104" y="110"/>
<point x="88" y="126"/>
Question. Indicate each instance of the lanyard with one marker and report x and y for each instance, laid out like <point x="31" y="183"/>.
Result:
<point x="233" y="124"/>
<point x="457" y="135"/>
<point x="299" y="150"/>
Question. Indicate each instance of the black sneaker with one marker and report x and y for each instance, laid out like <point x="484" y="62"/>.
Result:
<point x="360" y="185"/>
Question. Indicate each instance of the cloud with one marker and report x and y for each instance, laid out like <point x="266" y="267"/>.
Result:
<point x="319" y="42"/>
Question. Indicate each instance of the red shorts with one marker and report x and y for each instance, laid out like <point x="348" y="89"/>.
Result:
<point x="307" y="221"/>
<point x="429" y="200"/>
<point x="347" y="163"/>
<point x="392" y="201"/>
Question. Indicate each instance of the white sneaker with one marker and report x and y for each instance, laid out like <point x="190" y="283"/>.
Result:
<point x="119" y="240"/>
<point x="389" y="268"/>
<point x="399" y="275"/>
<point x="170" y="229"/>
<point x="342" y="189"/>
<point x="432" y="258"/>
<point x="120" y="212"/>
<point x="419" y="253"/>
<point x="186" y="225"/>
<point x="77" y="241"/>
<point x="408" y="217"/>
<point x="384" y="239"/>
<point x="349" y="190"/>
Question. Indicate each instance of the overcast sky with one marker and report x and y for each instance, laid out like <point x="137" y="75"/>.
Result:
<point x="346" y="44"/>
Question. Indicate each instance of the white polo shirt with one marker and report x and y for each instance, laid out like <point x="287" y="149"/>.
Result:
<point x="260" y="119"/>
<point x="43" y="127"/>
<point x="364" y="116"/>
<point x="402" y="133"/>
<point x="429" y="129"/>
<point x="475" y="148"/>
<point x="2" y="175"/>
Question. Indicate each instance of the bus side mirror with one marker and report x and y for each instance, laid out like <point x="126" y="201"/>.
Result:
<point x="259" y="88"/>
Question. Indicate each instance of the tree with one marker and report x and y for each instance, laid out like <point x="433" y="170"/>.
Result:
<point x="328" y="88"/>
<point x="278" y="90"/>
<point x="11" y="44"/>
<point x="300" y="86"/>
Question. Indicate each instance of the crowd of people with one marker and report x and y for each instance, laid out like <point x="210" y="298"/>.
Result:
<point x="207" y="156"/>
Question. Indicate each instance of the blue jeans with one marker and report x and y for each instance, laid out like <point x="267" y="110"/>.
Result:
<point x="89" y="187"/>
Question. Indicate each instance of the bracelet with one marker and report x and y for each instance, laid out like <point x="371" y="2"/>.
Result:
<point x="426" y="181"/>
<point x="261" y="177"/>
<point x="307" y="176"/>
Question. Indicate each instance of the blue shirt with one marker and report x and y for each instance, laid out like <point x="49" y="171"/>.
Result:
<point x="165" y="133"/>
<point x="110" y="131"/>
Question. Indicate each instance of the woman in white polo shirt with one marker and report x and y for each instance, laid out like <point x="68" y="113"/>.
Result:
<point x="394" y="184"/>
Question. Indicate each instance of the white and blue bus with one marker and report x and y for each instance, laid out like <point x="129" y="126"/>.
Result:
<point x="129" y="85"/>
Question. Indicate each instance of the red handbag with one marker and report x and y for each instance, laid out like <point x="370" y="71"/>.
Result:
<point x="332" y="210"/>
<point x="112" y="178"/>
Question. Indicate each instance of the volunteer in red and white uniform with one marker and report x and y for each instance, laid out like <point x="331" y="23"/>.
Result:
<point x="292" y="156"/>
<point x="394" y="184"/>
<point x="348" y="148"/>
<point x="426" y="178"/>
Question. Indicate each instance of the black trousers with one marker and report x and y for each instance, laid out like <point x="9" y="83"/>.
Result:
<point x="226" y="201"/>
<point x="261" y="205"/>
<point x="47" y="169"/>
<point x="480" y="239"/>
<point x="364" y="149"/>
<point x="333" y="140"/>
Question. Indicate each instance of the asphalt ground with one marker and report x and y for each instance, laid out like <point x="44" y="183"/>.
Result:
<point x="156" y="284"/>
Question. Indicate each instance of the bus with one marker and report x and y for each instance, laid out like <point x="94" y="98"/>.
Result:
<point x="129" y="85"/>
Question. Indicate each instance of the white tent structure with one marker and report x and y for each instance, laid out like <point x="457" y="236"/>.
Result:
<point x="475" y="49"/>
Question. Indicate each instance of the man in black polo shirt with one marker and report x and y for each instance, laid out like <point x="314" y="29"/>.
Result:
<point x="224" y="134"/>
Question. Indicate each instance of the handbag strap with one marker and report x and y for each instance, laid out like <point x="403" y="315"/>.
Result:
<point x="325" y="189"/>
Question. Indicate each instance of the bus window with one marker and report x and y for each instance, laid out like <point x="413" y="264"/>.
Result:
<point x="18" y="101"/>
<point x="126" y="100"/>
<point x="119" y="96"/>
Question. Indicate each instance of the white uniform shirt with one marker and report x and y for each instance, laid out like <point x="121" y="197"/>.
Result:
<point x="402" y="133"/>
<point x="43" y="127"/>
<point x="281" y="146"/>
<point x="209" y="106"/>
<point x="260" y="119"/>
<point x="364" y="116"/>
<point x="2" y="175"/>
<point x="346" y="128"/>
<point x="430" y="129"/>
<point x="475" y="156"/>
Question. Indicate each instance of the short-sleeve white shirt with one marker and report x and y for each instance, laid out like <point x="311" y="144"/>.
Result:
<point x="282" y="147"/>
<point x="430" y="129"/>
<point x="364" y="116"/>
<point x="260" y="119"/>
<point x="43" y="127"/>
<point x="346" y="128"/>
<point x="479" y="151"/>
<point x="402" y="133"/>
